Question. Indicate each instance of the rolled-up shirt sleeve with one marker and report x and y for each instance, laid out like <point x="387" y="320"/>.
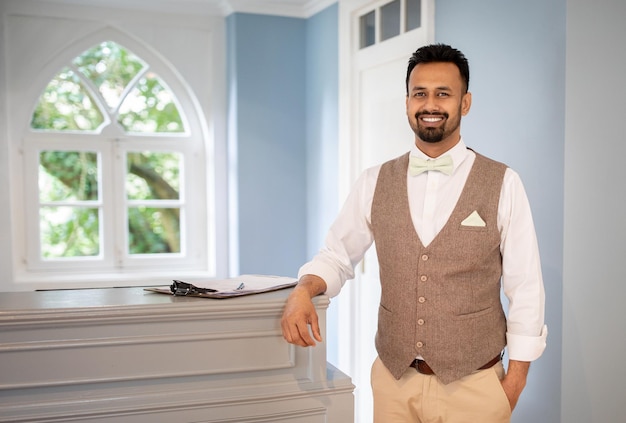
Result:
<point x="526" y="348"/>
<point x="522" y="279"/>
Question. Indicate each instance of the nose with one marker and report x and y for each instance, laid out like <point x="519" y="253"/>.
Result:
<point x="430" y="104"/>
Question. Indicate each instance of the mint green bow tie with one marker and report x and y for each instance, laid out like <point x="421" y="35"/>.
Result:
<point x="442" y="164"/>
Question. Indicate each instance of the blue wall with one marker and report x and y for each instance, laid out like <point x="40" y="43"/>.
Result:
<point x="517" y="60"/>
<point x="283" y="125"/>
<point x="594" y="346"/>
<point x="322" y="81"/>
<point x="267" y="122"/>
<point x="283" y="118"/>
<point x="322" y="50"/>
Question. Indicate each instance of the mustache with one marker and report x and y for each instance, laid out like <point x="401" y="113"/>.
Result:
<point x="444" y="114"/>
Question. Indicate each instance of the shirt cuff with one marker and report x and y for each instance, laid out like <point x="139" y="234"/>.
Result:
<point x="327" y="273"/>
<point x="526" y="348"/>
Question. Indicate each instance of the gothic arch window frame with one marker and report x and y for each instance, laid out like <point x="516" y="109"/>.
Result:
<point x="195" y="146"/>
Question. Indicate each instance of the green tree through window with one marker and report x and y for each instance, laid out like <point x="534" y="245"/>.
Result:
<point x="109" y="85"/>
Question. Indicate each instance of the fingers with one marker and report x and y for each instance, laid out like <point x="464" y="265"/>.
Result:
<point x="315" y="328"/>
<point x="295" y="327"/>
<point x="303" y="337"/>
<point x="296" y="331"/>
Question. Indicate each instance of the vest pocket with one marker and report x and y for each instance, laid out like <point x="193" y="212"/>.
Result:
<point x="474" y="314"/>
<point x="473" y="228"/>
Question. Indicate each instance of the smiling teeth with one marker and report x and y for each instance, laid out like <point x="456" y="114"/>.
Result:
<point x="431" y="119"/>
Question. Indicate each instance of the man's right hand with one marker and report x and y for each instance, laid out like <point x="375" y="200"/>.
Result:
<point x="300" y="313"/>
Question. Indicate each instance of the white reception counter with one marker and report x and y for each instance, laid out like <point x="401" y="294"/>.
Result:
<point x="128" y="355"/>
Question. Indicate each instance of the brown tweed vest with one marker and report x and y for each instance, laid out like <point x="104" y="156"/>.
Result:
<point x="442" y="301"/>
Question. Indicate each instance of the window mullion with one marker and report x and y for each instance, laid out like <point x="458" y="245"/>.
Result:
<point x="378" y="25"/>
<point x="93" y="91"/>
<point x="31" y="165"/>
<point x="127" y="89"/>
<point x="116" y="207"/>
<point x="403" y="13"/>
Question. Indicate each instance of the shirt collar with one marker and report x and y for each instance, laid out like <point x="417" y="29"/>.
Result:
<point x="459" y="153"/>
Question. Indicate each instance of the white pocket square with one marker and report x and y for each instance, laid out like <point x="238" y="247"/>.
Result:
<point x="473" y="219"/>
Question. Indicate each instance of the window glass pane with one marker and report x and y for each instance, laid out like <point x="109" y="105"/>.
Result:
<point x="150" y="107"/>
<point x="367" y="29"/>
<point x="153" y="230"/>
<point x="110" y="67"/>
<point x="68" y="175"/>
<point x="413" y="14"/>
<point x="153" y="176"/>
<point x="390" y="20"/>
<point x="69" y="232"/>
<point x="66" y="105"/>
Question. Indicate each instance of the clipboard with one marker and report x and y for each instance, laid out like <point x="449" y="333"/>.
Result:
<point x="227" y="288"/>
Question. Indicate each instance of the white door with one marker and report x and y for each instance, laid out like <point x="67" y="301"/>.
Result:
<point x="373" y="129"/>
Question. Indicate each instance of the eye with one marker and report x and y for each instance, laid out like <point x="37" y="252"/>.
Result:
<point x="443" y="94"/>
<point x="419" y="94"/>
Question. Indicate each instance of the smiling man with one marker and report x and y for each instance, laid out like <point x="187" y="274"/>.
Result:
<point x="451" y="228"/>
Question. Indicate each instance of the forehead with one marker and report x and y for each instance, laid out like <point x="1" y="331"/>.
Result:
<point x="436" y="74"/>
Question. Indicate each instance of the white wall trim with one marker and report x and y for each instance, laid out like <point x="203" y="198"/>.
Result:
<point x="287" y="8"/>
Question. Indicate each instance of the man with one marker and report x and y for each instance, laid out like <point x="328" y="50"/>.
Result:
<point x="451" y="227"/>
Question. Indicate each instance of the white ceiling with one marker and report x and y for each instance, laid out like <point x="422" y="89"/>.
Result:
<point x="292" y="8"/>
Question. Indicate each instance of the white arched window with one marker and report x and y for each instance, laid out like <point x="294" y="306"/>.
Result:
<point x="115" y="169"/>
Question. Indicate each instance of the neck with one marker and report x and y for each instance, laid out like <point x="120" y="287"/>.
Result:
<point x="436" y="149"/>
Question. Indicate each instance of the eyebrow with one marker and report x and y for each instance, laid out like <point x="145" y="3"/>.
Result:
<point x="441" y="88"/>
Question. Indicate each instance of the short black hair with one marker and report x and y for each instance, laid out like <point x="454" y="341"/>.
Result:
<point x="439" y="53"/>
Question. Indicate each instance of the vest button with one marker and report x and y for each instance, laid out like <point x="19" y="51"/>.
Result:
<point x="424" y="257"/>
<point x="421" y="299"/>
<point x="423" y="278"/>
<point x="420" y="322"/>
<point x="420" y="344"/>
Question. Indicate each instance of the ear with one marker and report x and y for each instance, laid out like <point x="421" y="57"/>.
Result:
<point x="466" y="103"/>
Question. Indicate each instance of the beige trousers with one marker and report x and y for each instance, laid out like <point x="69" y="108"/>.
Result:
<point x="418" y="398"/>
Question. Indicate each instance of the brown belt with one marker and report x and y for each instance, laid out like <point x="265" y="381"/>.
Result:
<point x="422" y="367"/>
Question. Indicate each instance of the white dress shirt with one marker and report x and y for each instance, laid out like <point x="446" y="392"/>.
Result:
<point x="432" y="198"/>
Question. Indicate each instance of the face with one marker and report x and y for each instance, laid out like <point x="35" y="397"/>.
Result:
<point x="436" y="102"/>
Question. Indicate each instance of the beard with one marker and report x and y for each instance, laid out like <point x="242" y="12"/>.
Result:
<point x="433" y="135"/>
<point x="430" y="134"/>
